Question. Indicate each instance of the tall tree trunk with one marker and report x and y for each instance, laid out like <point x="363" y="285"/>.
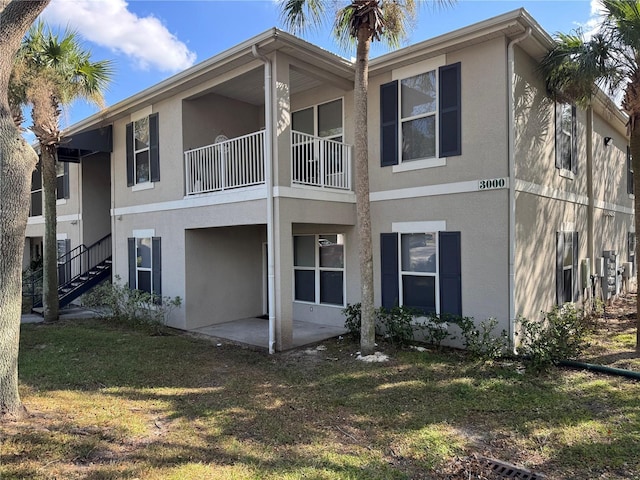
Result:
<point x="50" y="251"/>
<point x="17" y="161"/>
<point x="367" y="332"/>
<point x="634" y="145"/>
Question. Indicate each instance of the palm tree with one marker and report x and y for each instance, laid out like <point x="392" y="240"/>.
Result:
<point x="359" y="21"/>
<point x="17" y="160"/>
<point x="576" y="67"/>
<point x="52" y="71"/>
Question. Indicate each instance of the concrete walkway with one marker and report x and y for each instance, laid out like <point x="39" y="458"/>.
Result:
<point x="67" y="313"/>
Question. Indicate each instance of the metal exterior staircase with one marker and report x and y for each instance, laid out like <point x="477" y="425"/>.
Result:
<point x="78" y="271"/>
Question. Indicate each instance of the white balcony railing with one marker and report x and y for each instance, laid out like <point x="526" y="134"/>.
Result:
<point x="320" y="162"/>
<point x="234" y="163"/>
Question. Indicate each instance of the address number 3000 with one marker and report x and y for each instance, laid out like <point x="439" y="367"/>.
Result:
<point x="492" y="183"/>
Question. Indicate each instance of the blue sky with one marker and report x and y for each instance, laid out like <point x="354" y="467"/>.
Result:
<point x="150" y="40"/>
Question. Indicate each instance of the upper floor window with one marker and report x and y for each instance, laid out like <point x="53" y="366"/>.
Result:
<point x="62" y="187"/>
<point x="143" y="162"/>
<point x="420" y="116"/>
<point x="566" y="138"/>
<point x="62" y="180"/>
<point x="324" y="120"/>
<point x="36" y="192"/>
<point x="630" y="186"/>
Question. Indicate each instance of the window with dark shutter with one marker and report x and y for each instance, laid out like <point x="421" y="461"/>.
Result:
<point x="154" y="150"/>
<point x="450" y="273"/>
<point x="389" y="124"/>
<point x="421" y="117"/>
<point x="130" y="162"/>
<point x="450" y="111"/>
<point x="389" y="265"/>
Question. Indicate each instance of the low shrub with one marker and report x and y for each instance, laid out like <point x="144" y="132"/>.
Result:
<point x="116" y="300"/>
<point x="561" y="335"/>
<point x="480" y="340"/>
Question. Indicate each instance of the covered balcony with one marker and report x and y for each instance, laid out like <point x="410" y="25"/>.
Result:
<point x="239" y="162"/>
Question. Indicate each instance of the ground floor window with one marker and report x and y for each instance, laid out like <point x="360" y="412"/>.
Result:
<point x="319" y="269"/>
<point x="419" y="271"/>
<point x="144" y="264"/>
<point x="567" y="289"/>
<point x="631" y="246"/>
<point x="422" y="271"/>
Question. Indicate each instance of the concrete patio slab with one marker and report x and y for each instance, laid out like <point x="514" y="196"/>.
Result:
<point x="255" y="332"/>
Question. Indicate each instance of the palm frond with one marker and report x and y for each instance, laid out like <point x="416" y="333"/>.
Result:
<point x="299" y="15"/>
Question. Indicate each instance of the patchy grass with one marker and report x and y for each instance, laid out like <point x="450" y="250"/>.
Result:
<point x="108" y="402"/>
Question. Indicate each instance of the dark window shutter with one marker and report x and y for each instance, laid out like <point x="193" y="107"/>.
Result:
<point x="389" y="262"/>
<point x="574" y="141"/>
<point x="132" y="262"/>
<point x="575" y="277"/>
<point x="450" y="273"/>
<point x="558" y="130"/>
<point x="450" y="111"/>
<point x="559" y="269"/>
<point x="65" y="181"/>
<point x="389" y="124"/>
<point x="154" y="150"/>
<point x="129" y="134"/>
<point x="629" y="171"/>
<point x="157" y="267"/>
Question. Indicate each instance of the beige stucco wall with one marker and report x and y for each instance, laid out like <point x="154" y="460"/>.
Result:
<point x="484" y="137"/>
<point x="548" y="202"/>
<point x="206" y="117"/>
<point x="170" y="226"/>
<point x="224" y="274"/>
<point x="538" y="220"/>
<point x="481" y="219"/>
<point x="96" y="197"/>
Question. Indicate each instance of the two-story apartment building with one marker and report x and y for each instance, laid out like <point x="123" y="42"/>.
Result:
<point x="231" y="184"/>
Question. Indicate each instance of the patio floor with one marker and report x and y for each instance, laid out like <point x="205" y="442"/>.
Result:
<point x="255" y="332"/>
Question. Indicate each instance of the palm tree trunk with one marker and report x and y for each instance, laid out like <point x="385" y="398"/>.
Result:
<point x="17" y="161"/>
<point x="50" y="249"/>
<point x="367" y="332"/>
<point x="634" y="145"/>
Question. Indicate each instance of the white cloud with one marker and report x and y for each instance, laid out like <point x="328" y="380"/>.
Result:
<point x="110" y="24"/>
<point x="592" y="26"/>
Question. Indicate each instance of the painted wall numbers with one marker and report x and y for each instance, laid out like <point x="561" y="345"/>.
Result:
<point x="493" y="183"/>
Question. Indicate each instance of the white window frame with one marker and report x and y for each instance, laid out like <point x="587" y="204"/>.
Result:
<point x="404" y="73"/>
<point x="568" y="136"/>
<point x="39" y="170"/>
<point x="317" y="269"/>
<point x="402" y="273"/>
<point x="145" y="235"/>
<point x="141" y="150"/>
<point x="316" y="121"/>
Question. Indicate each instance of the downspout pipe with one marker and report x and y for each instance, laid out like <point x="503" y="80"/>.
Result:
<point x="511" y="98"/>
<point x="268" y="178"/>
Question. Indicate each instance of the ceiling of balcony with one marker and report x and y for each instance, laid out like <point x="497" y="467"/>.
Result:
<point x="249" y="87"/>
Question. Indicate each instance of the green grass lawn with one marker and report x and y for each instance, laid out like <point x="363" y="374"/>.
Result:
<point x="109" y="402"/>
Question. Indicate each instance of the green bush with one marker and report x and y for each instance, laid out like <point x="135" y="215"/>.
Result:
<point x="480" y="340"/>
<point x="138" y="308"/>
<point x="561" y="335"/>
<point x="434" y="329"/>
<point x="353" y="319"/>
<point x="397" y="324"/>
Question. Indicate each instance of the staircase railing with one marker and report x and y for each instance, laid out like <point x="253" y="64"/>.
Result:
<point x="80" y="263"/>
<point x="71" y="266"/>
